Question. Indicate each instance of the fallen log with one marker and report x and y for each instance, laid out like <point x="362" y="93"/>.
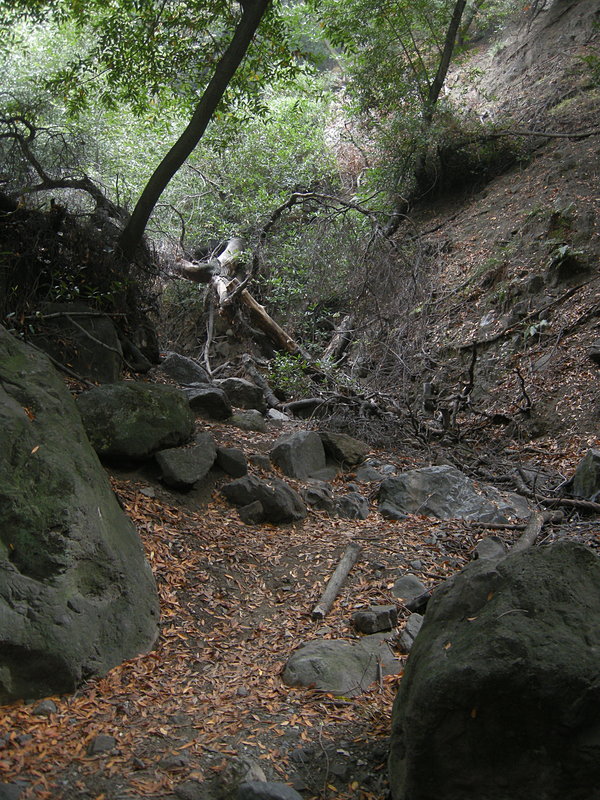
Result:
<point x="347" y="561"/>
<point x="533" y="529"/>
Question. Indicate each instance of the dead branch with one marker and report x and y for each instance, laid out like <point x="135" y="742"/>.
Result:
<point x="348" y="560"/>
<point x="536" y="522"/>
<point x="568" y="502"/>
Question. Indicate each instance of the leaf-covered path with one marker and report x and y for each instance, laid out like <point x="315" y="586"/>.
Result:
<point x="235" y="602"/>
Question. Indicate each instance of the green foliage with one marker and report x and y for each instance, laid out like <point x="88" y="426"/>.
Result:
<point x="287" y="376"/>
<point x="153" y="54"/>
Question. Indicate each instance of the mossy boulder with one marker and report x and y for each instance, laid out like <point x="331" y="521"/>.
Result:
<point x="77" y="596"/>
<point x="130" y="421"/>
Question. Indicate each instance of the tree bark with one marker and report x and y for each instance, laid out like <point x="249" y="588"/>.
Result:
<point x="131" y="236"/>
<point x="346" y="563"/>
<point x="435" y="87"/>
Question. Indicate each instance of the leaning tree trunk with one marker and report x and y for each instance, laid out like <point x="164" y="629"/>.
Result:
<point x="131" y="236"/>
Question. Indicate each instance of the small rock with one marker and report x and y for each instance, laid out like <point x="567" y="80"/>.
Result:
<point x="408" y="587"/>
<point x="242" y="770"/>
<point x="101" y="744"/>
<point x="183" y="369"/>
<point x="208" y="401"/>
<point x="416" y="564"/>
<point x="174" y="762"/>
<point x="277" y="416"/>
<point x="241" y="691"/>
<point x="11" y="791"/>
<point x="255" y="790"/>
<point x="45" y="708"/>
<point x="375" y="619"/>
<point x="490" y="547"/>
<point x="318" y="495"/>
<point x="260" y="460"/>
<point x="367" y="474"/>
<point x="409" y="633"/>
<point x="352" y="506"/>
<point x="594" y="351"/>
<point x="248" y="421"/>
<point x="243" y="394"/>
<point x="148" y="491"/>
<point x="232" y="461"/>
<point x="388" y="511"/>
<point x="190" y="790"/>
<point x="253" y="513"/>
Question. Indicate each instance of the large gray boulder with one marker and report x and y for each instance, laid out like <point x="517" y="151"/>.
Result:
<point x="299" y="454"/>
<point x="500" y="697"/>
<point x="280" y="503"/>
<point x="447" y="493"/>
<point x="131" y="421"/>
<point x="77" y="596"/>
<point x="339" y="666"/>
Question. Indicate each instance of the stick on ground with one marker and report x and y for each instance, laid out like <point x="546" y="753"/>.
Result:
<point x="347" y="561"/>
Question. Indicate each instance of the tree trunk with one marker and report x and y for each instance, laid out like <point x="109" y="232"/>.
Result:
<point x="131" y="236"/>
<point x="435" y="87"/>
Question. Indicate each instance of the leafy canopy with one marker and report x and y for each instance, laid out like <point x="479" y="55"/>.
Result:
<point x="150" y="54"/>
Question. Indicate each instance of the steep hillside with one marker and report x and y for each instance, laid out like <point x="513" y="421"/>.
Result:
<point x="514" y="268"/>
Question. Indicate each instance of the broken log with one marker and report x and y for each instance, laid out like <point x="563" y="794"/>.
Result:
<point x="533" y="529"/>
<point x="347" y="561"/>
<point x="341" y="340"/>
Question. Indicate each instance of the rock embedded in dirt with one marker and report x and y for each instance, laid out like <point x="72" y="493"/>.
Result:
<point x="182" y="467"/>
<point x="243" y="394"/>
<point x="343" y="448"/>
<point x="375" y="619"/>
<point x="407" y="587"/>
<point x="253" y="513"/>
<point x="279" y="501"/>
<point x="299" y="454"/>
<point x="341" y="667"/>
<point x="447" y="493"/>
<point x="409" y="633"/>
<point x="367" y="474"/>
<point x="352" y="506"/>
<point x="130" y="421"/>
<point x="248" y="421"/>
<point x="191" y="790"/>
<point x="266" y="790"/>
<point x="102" y="743"/>
<point x="490" y="547"/>
<point x="174" y="762"/>
<point x="184" y="370"/>
<point x="45" y="708"/>
<point x="502" y="683"/>
<point x="77" y="596"/>
<point x="232" y="461"/>
<point x="239" y="770"/>
<point x="208" y="402"/>
<point x="319" y="495"/>
<point x="12" y="791"/>
<point x="586" y="480"/>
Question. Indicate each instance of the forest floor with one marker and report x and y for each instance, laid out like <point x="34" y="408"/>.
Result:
<point x="236" y="600"/>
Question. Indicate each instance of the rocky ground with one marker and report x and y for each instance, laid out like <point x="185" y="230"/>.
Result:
<point x="236" y="601"/>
